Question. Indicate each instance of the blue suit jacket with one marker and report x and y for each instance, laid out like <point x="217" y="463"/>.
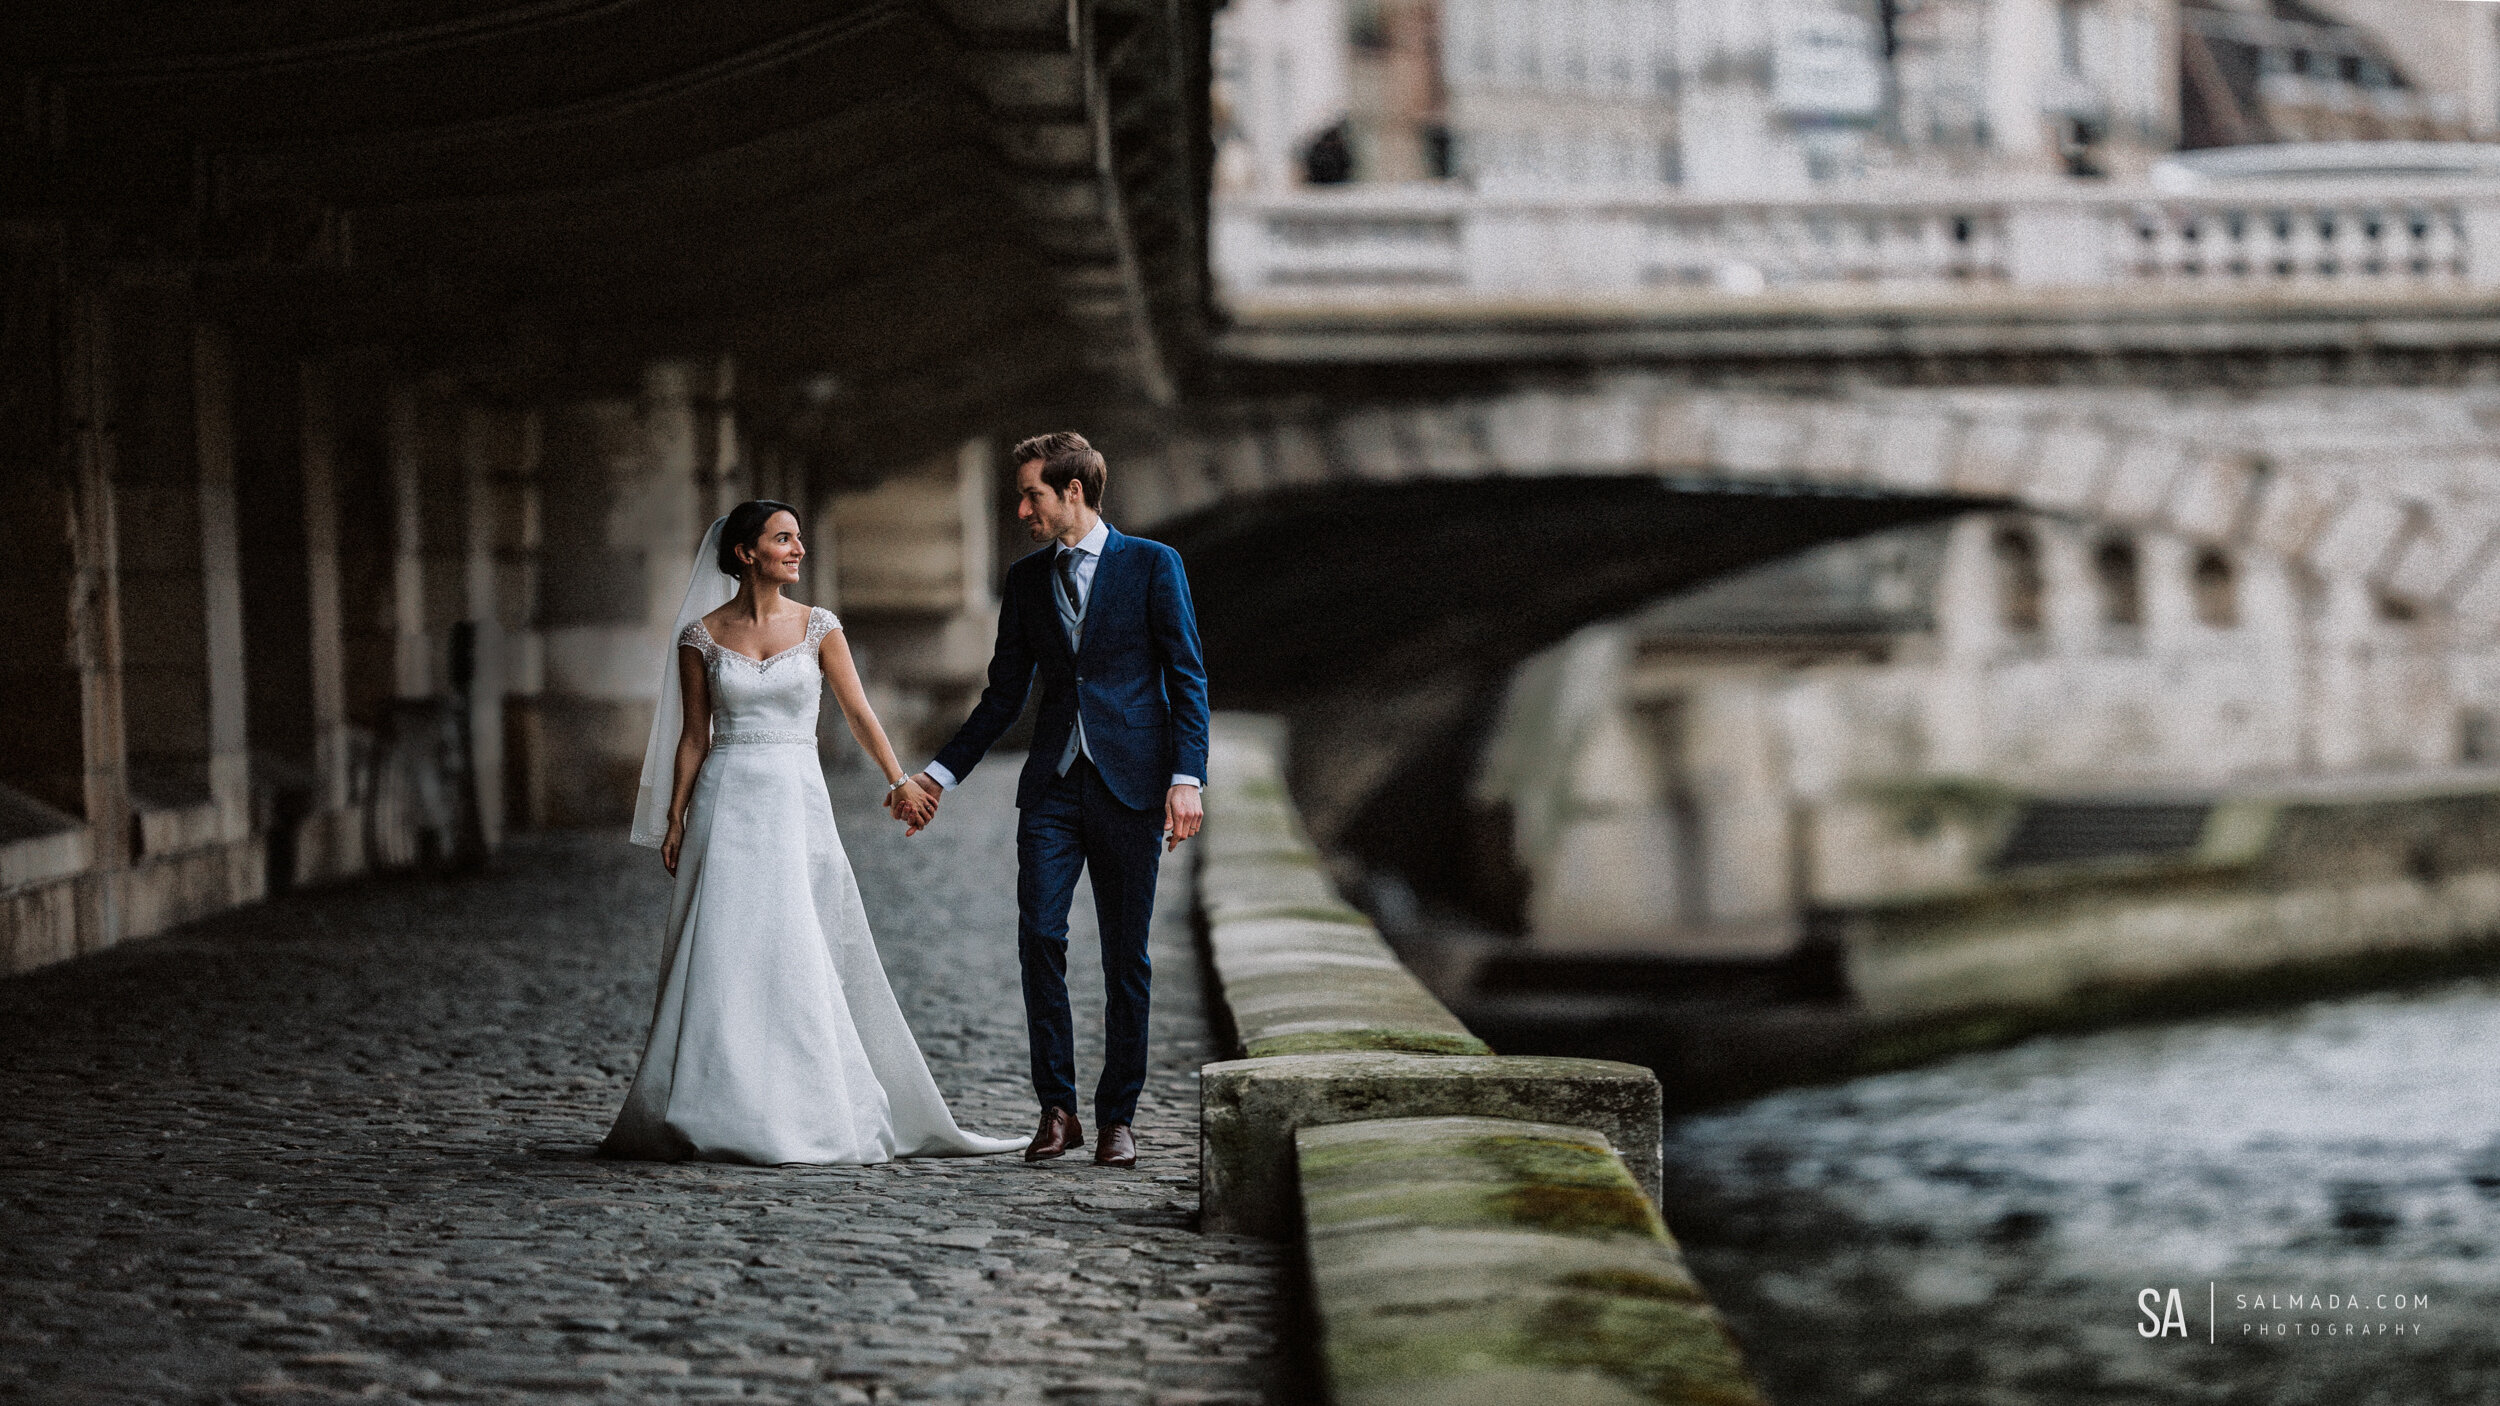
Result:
<point x="1138" y="679"/>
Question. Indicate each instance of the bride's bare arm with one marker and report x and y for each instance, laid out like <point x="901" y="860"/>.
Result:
<point x="842" y="677"/>
<point x="694" y="742"/>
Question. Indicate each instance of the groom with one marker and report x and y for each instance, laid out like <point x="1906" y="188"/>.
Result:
<point x="1119" y="748"/>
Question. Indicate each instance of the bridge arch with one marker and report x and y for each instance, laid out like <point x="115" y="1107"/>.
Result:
<point x="2360" y="504"/>
<point x="2399" y="487"/>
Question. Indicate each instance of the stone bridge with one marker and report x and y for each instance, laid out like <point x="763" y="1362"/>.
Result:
<point x="1482" y="513"/>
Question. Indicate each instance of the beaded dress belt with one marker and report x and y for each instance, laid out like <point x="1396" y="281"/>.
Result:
<point x="759" y="736"/>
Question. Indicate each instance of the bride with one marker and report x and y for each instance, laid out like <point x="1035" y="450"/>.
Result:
<point x="775" y="1037"/>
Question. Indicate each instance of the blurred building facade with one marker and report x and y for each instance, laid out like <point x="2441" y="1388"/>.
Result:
<point x="1877" y="719"/>
<point x="1723" y="98"/>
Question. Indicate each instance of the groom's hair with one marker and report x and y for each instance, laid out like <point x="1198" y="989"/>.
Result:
<point x="1065" y="455"/>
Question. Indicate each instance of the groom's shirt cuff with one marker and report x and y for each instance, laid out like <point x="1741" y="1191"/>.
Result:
<point x="946" y="779"/>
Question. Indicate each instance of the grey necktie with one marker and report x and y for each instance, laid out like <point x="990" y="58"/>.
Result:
<point x="1070" y="600"/>
<point x="1071" y="605"/>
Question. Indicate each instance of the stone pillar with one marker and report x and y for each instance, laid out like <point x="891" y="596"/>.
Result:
<point x="412" y="660"/>
<point x="441" y="541"/>
<point x="384" y="666"/>
<point x="621" y="488"/>
<point x="95" y="611"/>
<point x="47" y="839"/>
<point x="704" y="397"/>
<point x="496" y="445"/>
<point x="296" y="695"/>
<point x="229" y="744"/>
<point x="778" y="472"/>
<point x="451" y="460"/>
<point x="368" y="537"/>
<point x="916" y="556"/>
<point x="162" y="582"/>
<point x="513" y="503"/>
<point x="416" y="801"/>
<point x="182" y="636"/>
<point x="332" y="757"/>
<point x="441" y="546"/>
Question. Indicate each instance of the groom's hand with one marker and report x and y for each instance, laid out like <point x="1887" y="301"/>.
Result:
<point x="916" y="803"/>
<point x="1182" y="815"/>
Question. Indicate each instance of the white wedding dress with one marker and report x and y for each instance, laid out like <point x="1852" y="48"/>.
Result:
<point x="775" y="1037"/>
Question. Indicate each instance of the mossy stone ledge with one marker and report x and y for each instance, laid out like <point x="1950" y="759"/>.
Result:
<point x="1250" y="1111"/>
<point x="1298" y="970"/>
<point x="1482" y="1229"/>
<point x="1484" y="1260"/>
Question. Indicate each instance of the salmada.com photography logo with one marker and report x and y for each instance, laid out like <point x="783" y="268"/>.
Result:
<point x="2341" y="1314"/>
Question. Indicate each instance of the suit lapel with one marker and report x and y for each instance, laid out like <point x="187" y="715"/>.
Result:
<point x="1046" y="603"/>
<point x="1114" y="560"/>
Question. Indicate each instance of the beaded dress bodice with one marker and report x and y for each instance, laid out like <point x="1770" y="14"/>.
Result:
<point x="764" y="700"/>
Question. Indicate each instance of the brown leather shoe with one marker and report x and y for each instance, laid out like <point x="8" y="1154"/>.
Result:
<point x="1059" y="1132"/>
<point x="1117" y="1147"/>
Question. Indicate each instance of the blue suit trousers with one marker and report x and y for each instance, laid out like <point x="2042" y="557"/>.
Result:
<point x="1076" y="824"/>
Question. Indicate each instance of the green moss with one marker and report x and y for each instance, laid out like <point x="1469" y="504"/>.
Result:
<point x="1672" y="1352"/>
<point x="2239" y="832"/>
<point x="1248" y="790"/>
<point x="1437" y="1042"/>
<point x="1285" y="853"/>
<point x="1313" y="912"/>
<point x="2101" y="1006"/>
<point x="1542" y="1159"/>
<point x="1583" y="1213"/>
<point x="1925" y="1043"/>
<point x="1525" y="1182"/>
<point x="2031" y="896"/>
<point x="1386" y="997"/>
<point x="1578" y="1210"/>
<point x="1633" y="1284"/>
<point x="1920" y="806"/>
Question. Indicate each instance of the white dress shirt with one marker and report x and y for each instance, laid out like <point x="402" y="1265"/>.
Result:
<point x="1088" y="551"/>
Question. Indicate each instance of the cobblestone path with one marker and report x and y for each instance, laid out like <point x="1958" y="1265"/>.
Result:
<point x="339" y="1146"/>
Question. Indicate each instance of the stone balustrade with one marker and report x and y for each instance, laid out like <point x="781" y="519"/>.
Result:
<point x="1359" y="245"/>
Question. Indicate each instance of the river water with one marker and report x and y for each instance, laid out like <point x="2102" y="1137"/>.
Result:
<point x="1981" y="1230"/>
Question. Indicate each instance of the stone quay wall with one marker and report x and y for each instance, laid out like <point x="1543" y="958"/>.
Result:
<point x="1464" y="1216"/>
<point x="2324" y="885"/>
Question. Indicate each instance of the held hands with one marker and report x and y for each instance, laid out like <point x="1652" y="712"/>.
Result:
<point x="914" y="801"/>
<point x="1182" y="815"/>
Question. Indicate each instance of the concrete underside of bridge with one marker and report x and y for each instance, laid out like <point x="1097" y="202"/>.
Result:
<point x="367" y="375"/>
<point x="900" y="218"/>
<point x="1384" y="618"/>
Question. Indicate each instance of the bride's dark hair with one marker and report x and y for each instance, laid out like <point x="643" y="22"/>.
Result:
<point x="744" y="528"/>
